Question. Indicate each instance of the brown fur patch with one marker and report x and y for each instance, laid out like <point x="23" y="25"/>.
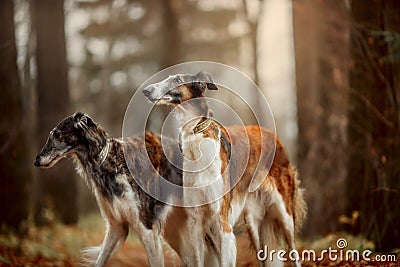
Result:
<point x="186" y="92"/>
<point x="213" y="132"/>
<point x="175" y="227"/>
<point x="225" y="159"/>
<point x="280" y="174"/>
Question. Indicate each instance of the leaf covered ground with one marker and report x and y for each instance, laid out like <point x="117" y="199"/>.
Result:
<point x="60" y="245"/>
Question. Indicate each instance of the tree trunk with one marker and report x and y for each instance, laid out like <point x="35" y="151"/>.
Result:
<point x="172" y="33"/>
<point x="171" y="40"/>
<point x="58" y="185"/>
<point x="15" y="166"/>
<point x="320" y="32"/>
<point x="374" y="129"/>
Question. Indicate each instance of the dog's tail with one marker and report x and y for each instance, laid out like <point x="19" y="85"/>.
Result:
<point x="299" y="205"/>
<point x="89" y="255"/>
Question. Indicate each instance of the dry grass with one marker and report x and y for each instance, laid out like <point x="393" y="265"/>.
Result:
<point x="60" y="245"/>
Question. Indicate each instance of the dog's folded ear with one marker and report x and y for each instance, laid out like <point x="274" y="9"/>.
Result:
<point x="81" y="121"/>
<point x="207" y="80"/>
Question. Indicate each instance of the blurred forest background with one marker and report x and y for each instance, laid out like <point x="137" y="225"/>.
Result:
<point x="330" y="70"/>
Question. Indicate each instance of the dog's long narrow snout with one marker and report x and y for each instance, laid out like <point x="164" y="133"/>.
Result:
<point x="37" y="161"/>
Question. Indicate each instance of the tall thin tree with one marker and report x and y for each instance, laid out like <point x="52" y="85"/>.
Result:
<point x="58" y="185"/>
<point x="15" y="167"/>
<point x="320" y="32"/>
<point x="374" y="124"/>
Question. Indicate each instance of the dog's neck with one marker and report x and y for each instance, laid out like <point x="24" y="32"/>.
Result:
<point x="194" y="129"/>
<point x="93" y="167"/>
<point x="97" y="150"/>
<point x="199" y="141"/>
<point x="194" y="116"/>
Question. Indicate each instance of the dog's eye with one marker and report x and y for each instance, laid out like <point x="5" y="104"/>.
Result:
<point x="56" y="134"/>
<point x="178" y="80"/>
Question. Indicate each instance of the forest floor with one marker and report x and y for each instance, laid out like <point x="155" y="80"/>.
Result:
<point x="60" y="245"/>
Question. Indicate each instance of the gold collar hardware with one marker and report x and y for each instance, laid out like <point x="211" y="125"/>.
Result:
<point x="104" y="153"/>
<point x="202" y="126"/>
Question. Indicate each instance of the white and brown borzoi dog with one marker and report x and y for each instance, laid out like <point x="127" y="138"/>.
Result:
<point x="123" y="204"/>
<point x="206" y="180"/>
<point x="272" y="212"/>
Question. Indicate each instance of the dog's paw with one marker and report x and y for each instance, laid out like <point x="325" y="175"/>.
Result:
<point x="89" y="256"/>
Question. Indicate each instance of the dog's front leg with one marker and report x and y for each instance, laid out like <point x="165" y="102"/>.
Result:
<point x="151" y="240"/>
<point x="227" y="237"/>
<point x="228" y="248"/>
<point x="115" y="232"/>
<point x="193" y="250"/>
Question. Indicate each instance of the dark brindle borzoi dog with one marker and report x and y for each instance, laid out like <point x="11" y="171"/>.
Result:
<point x="270" y="213"/>
<point x="123" y="204"/>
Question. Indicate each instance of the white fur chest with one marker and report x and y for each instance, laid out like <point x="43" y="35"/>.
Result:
<point x="202" y="161"/>
<point x="124" y="208"/>
<point x="202" y="169"/>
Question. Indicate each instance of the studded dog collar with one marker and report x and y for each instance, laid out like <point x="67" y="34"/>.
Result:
<point x="104" y="153"/>
<point x="202" y="126"/>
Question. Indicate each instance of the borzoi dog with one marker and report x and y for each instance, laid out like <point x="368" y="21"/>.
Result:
<point x="272" y="212"/>
<point x="123" y="204"/>
<point x="200" y="141"/>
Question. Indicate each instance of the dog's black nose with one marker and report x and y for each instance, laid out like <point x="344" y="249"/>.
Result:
<point x="147" y="91"/>
<point x="37" y="163"/>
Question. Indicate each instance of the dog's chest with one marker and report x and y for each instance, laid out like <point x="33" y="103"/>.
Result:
<point x="202" y="160"/>
<point x="124" y="208"/>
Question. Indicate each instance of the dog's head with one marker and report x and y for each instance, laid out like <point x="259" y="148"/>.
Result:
<point x="179" y="88"/>
<point x="74" y="134"/>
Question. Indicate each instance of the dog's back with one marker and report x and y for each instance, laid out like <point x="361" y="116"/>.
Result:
<point x="145" y="179"/>
<point x="268" y="164"/>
